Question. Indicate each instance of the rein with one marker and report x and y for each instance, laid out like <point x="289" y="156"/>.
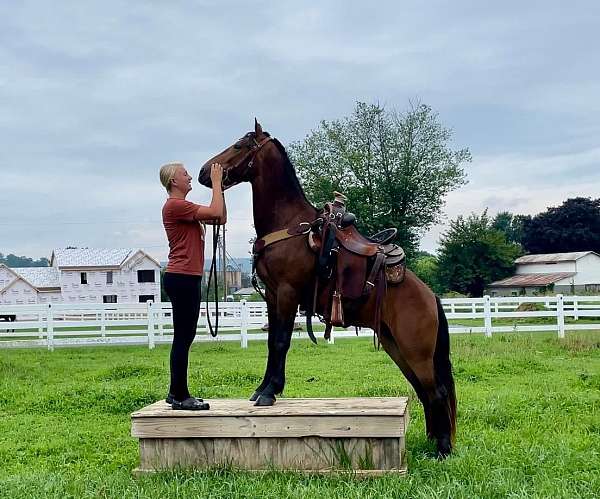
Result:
<point x="213" y="272"/>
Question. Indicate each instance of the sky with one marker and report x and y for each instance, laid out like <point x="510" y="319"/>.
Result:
<point x="96" y="95"/>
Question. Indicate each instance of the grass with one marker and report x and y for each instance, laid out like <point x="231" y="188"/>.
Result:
<point x="528" y="419"/>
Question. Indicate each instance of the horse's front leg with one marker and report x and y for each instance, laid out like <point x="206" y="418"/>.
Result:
<point x="281" y="325"/>
<point x="272" y="314"/>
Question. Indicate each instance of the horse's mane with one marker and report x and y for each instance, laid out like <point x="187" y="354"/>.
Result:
<point x="290" y="171"/>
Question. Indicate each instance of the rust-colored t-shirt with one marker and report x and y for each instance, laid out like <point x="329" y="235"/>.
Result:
<point x="186" y="237"/>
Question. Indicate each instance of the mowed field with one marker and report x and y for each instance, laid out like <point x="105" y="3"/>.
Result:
<point x="528" y="418"/>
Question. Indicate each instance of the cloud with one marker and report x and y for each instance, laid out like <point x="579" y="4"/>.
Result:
<point x="97" y="95"/>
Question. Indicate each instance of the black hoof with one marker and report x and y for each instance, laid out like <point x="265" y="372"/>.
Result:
<point x="444" y="448"/>
<point x="265" y="400"/>
<point x="255" y="395"/>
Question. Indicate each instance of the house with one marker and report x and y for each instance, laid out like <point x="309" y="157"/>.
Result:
<point x="573" y="272"/>
<point x="84" y="275"/>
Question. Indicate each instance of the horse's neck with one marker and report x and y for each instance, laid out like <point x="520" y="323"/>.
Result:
<point x="277" y="204"/>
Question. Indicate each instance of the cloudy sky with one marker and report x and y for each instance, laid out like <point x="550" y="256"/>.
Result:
<point x="96" y="95"/>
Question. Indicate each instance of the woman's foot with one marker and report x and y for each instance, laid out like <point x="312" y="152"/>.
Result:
<point x="190" y="404"/>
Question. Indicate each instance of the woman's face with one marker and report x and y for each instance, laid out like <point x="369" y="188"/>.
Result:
<point x="181" y="180"/>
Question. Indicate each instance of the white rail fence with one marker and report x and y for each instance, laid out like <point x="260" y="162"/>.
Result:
<point x="56" y="325"/>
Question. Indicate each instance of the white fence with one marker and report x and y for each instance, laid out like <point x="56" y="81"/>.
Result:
<point x="53" y="325"/>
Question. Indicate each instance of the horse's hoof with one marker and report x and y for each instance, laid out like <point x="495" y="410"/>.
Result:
<point x="255" y="395"/>
<point x="444" y="448"/>
<point x="265" y="400"/>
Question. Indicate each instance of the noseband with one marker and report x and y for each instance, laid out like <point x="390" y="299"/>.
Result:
<point x="249" y="156"/>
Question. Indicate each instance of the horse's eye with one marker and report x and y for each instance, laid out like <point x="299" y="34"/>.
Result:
<point x="237" y="146"/>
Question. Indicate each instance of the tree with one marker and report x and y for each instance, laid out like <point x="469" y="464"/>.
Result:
<point x="511" y="225"/>
<point x="573" y="226"/>
<point x="395" y="169"/>
<point x="473" y="253"/>
<point x="11" y="260"/>
<point x="425" y="266"/>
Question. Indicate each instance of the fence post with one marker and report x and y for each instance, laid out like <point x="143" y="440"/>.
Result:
<point x="50" y="328"/>
<point x="149" y="305"/>
<point x="575" y="309"/>
<point x="560" y="315"/>
<point x="487" y="316"/>
<point x="103" y="324"/>
<point x="41" y="323"/>
<point x="244" y="323"/>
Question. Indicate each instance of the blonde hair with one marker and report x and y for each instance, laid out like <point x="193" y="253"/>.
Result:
<point x="167" y="172"/>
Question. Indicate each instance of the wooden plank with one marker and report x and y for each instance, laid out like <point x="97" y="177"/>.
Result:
<point x="309" y="453"/>
<point x="368" y="406"/>
<point x="268" y="426"/>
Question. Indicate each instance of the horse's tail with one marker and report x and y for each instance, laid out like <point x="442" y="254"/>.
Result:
<point x="443" y="366"/>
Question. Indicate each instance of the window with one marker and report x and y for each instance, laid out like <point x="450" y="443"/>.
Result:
<point x="145" y="298"/>
<point x="109" y="277"/>
<point x="146" y="275"/>
<point x="109" y="299"/>
<point x="83" y="277"/>
<point x="592" y="287"/>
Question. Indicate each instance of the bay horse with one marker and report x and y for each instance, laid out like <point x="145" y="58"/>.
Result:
<point x="413" y="328"/>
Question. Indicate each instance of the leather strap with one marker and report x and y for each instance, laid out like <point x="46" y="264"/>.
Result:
<point x="280" y="235"/>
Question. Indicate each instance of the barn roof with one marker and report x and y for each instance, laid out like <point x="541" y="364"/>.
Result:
<point x="554" y="257"/>
<point x="523" y="280"/>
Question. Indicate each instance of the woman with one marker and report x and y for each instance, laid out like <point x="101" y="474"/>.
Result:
<point x="182" y="220"/>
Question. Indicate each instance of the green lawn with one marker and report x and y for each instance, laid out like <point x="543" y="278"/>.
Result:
<point x="528" y="418"/>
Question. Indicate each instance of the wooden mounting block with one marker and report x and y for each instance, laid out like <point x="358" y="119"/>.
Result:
<point x="364" y="435"/>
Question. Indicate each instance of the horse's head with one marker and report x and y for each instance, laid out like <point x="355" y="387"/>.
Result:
<point x="237" y="160"/>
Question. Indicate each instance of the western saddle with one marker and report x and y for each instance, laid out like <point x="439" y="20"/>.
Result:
<point x="350" y="266"/>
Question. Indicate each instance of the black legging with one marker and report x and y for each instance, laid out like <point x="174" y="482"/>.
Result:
<point x="184" y="293"/>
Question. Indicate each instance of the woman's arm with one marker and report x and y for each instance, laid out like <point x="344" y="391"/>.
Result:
<point x="215" y="210"/>
<point x="222" y="220"/>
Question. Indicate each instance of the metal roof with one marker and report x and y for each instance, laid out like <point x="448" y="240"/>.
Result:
<point x="554" y="257"/>
<point x="521" y="280"/>
<point x="40" y="277"/>
<point x="91" y="257"/>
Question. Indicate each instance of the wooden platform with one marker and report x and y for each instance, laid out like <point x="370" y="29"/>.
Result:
<point x="361" y="434"/>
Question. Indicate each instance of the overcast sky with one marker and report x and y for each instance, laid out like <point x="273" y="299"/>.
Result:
<point x="96" y="95"/>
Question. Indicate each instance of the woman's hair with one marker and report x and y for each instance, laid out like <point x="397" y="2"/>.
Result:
<point x="167" y="172"/>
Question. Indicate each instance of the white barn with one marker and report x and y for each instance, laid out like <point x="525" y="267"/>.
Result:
<point x="84" y="275"/>
<point x="570" y="273"/>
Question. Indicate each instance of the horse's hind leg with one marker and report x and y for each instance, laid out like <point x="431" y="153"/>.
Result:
<point x="389" y="345"/>
<point x="433" y="395"/>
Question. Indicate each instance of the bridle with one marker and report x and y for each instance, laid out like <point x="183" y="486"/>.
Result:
<point x="249" y="156"/>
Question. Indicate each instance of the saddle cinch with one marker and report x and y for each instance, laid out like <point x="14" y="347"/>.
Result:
<point x="350" y="266"/>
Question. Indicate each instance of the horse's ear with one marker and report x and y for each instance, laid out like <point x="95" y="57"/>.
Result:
<point x="257" y="128"/>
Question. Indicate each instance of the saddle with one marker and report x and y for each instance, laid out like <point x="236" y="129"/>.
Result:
<point x="350" y="266"/>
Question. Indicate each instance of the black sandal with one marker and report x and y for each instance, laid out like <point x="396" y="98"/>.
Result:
<point x="190" y="404"/>
<point x="170" y="399"/>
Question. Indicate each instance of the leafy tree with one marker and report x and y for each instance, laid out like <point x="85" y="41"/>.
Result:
<point x="11" y="260"/>
<point x="573" y="226"/>
<point x="511" y="225"/>
<point x="473" y="253"/>
<point x="395" y="168"/>
<point x="425" y="266"/>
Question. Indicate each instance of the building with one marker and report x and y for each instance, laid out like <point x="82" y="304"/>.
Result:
<point x="566" y="273"/>
<point x="84" y="275"/>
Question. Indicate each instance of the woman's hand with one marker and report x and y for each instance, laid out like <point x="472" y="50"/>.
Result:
<point x="216" y="174"/>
